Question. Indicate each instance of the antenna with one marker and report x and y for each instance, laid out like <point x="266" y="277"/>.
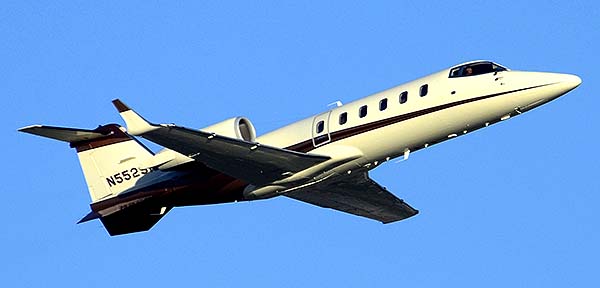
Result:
<point x="337" y="103"/>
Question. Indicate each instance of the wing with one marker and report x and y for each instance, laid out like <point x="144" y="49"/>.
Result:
<point x="252" y="162"/>
<point x="356" y="194"/>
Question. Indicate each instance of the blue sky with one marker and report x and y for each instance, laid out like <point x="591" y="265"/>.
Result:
<point x="511" y="205"/>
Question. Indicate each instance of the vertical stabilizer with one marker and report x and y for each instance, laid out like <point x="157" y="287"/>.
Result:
<point x="109" y="157"/>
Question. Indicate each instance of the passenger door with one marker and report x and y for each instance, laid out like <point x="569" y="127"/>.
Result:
<point x="320" y="129"/>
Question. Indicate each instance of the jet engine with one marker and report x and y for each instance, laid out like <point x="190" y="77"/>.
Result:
<point x="237" y="127"/>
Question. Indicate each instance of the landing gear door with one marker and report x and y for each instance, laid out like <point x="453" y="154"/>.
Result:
<point x="320" y="129"/>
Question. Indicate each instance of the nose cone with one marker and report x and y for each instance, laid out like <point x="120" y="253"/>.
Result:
<point x="560" y="84"/>
<point x="570" y="81"/>
<point x="545" y="87"/>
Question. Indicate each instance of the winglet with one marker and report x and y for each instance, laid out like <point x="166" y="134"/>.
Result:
<point x="136" y="124"/>
<point x="121" y="107"/>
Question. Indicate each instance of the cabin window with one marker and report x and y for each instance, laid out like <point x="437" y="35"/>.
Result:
<point x="383" y="104"/>
<point x="320" y="126"/>
<point x="362" y="112"/>
<point x="403" y="97"/>
<point x="423" y="90"/>
<point x="343" y="118"/>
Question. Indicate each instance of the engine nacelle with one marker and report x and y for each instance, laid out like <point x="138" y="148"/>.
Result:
<point x="237" y="127"/>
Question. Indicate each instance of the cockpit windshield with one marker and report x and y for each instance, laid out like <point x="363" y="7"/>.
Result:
<point x="476" y="68"/>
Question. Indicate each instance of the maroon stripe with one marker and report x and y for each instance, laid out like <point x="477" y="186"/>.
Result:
<point x="113" y="135"/>
<point x="203" y="186"/>
<point x="307" y="145"/>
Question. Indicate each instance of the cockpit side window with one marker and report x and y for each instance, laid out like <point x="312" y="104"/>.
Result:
<point x="498" y="68"/>
<point x="477" y="68"/>
<point x="456" y="72"/>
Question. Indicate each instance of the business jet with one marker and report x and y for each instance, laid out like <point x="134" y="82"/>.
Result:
<point x="323" y="160"/>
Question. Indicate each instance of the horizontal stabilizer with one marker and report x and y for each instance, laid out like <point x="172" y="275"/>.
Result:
<point x="64" y="134"/>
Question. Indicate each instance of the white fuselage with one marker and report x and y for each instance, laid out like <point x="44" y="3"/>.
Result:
<point x="450" y="107"/>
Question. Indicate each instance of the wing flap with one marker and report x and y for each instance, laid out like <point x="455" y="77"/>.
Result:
<point x="357" y="195"/>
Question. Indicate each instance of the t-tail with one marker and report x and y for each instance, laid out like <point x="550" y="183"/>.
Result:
<point x="113" y="166"/>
